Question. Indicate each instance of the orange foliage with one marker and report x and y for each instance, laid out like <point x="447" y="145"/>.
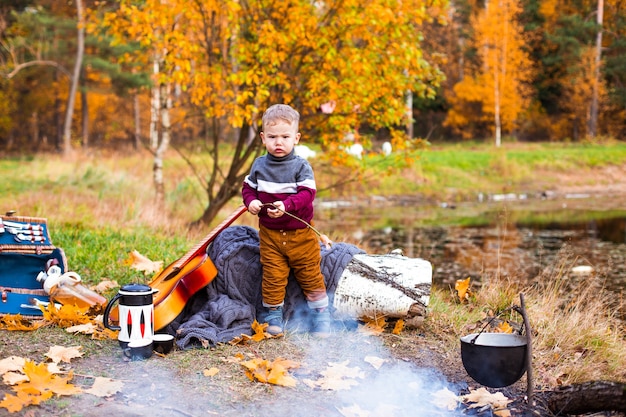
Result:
<point x="501" y="86"/>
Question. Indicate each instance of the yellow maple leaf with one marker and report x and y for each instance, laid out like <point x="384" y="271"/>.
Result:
<point x="13" y="322"/>
<point x="505" y="327"/>
<point x="65" y="316"/>
<point x="41" y="385"/>
<point x="373" y="325"/>
<point x="397" y="329"/>
<point x="24" y="398"/>
<point x="43" y="381"/>
<point x="462" y="289"/>
<point x="275" y="372"/>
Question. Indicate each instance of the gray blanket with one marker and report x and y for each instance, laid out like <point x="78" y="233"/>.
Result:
<point x="226" y="308"/>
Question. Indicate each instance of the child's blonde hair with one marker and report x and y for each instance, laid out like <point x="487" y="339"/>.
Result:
<point x="282" y="112"/>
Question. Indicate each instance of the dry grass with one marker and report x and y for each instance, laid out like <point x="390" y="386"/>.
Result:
<point x="576" y="335"/>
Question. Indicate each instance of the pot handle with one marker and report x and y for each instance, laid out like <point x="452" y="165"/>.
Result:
<point x="107" y="310"/>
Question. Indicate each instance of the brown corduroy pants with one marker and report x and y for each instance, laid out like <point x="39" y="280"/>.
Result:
<point x="282" y="250"/>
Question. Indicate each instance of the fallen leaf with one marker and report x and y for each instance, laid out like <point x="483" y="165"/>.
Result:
<point x="87" y="328"/>
<point x="210" y="372"/>
<point x="65" y="354"/>
<point x="399" y="326"/>
<point x="12" y="378"/>
<point x="481" y="397"/>
<point x="275" y="372"/>
<point x="66" y="316"/>
<point x="505" y="327"/>
<point x="105" y="387"/>
<point x="462" y="289"/>
<point x="15" y="403"/>
<point x="53" y="368"/>
<point x="105" y="285"/>
<point x="141" y="263"/>
<point x="16" y="322"/>
<point x="338" y="376"/>
<point x="444" y="398"/>
<point x="373" y="325"/>
<point x="12" y="363"/>
<point x="376" y="362"/>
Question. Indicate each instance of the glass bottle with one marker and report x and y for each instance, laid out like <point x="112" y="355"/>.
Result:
<point x="67" y="289"/>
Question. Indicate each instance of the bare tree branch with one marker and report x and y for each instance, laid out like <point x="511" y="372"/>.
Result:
<point x="37" y="62"/>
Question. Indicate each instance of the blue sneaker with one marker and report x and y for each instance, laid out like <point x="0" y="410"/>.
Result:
<point x="320" y="326"/>
<point x="274" y="318"/>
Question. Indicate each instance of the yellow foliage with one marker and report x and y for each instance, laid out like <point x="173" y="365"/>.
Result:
<point x="17" y="322"/>
<point x="505" y="327"/>
<point x="40" y="386"/>
<point x="275" y="372"/>
<point x="462" y="287"/>
<point x="296" y="52"/>
<point x="65" y="316"/>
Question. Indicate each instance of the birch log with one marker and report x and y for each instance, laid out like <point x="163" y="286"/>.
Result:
<point x="392" y="286"/>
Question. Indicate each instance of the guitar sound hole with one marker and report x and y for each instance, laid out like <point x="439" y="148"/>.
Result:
<point x="172" y="274"/>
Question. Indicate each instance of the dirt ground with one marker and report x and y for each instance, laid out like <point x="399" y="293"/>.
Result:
<point x="394" y="375"/>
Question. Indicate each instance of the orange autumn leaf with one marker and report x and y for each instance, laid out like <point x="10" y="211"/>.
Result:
<point x="15" y="403"/>
<point x="462" y="289"/>
<point x="40" y="386"/>
<point x="42" y="380"/>
<point x="259" y="334"/>
<point x="505" y="327"/>
<point x="398" y="327"/>
<point x="65" y="316"/>
<point x="373" y="325"/>
<point x="275" y="372"/>
<point x="13" y="322"/>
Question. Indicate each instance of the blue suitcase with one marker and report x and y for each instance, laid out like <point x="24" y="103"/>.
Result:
<point x="25" y="251"/>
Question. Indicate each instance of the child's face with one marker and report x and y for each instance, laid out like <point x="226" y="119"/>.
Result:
<point x="280" y="138"/>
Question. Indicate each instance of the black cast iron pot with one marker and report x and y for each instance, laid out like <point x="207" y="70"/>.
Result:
<point x="494" y="359"/>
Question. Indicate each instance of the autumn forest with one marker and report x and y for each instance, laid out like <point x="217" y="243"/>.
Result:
<point x="85" y="73"/>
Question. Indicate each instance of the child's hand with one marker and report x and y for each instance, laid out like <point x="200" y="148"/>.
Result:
<point x="255" y="207"/>
<point x="277" y="210"/>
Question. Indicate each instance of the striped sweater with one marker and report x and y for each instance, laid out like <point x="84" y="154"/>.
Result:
<point x="290" y="180"/>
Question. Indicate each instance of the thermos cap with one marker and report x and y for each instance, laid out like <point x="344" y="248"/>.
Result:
<point x="136" y="289"/>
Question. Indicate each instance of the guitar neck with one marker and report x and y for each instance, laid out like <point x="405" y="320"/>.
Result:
<point x="202" y="245"/>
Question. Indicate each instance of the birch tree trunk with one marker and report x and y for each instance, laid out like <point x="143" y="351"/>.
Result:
<point x="593" y="111"/>
<point x="71" y="99"/>
<point x="84" y="110"/>
<point x="136" y="110"/>
<point x="155" y="107"/>
<point x="166" y="105"/>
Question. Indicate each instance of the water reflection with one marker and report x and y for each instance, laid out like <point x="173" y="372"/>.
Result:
<point x="522" y="243"/>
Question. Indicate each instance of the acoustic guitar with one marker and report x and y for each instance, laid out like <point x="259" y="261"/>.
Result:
<point x="185" y="277"/>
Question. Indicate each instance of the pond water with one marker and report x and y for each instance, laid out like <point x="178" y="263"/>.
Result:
<point x="580" y="238"/>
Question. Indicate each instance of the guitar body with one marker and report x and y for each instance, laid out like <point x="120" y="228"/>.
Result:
<point x="185" y="277"/>
<point x="176" y="286"/>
